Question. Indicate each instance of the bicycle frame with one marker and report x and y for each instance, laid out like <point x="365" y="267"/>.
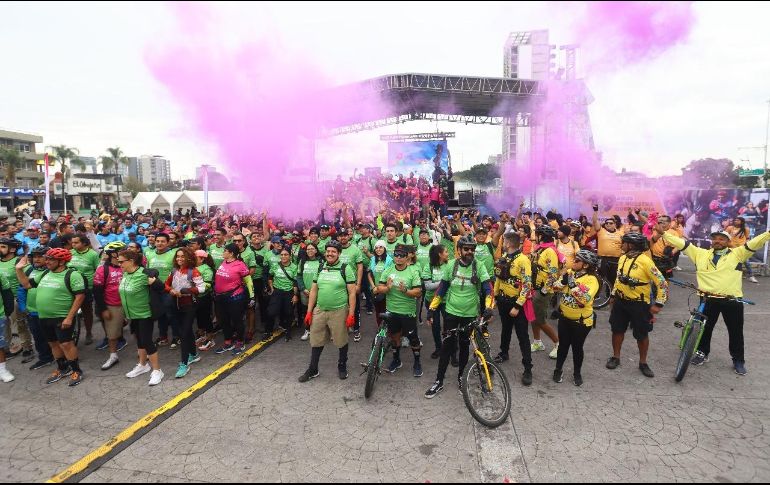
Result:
<point x="480" y="355"/>
<point x="696" y="315"/>
<point x="381" y="334"/>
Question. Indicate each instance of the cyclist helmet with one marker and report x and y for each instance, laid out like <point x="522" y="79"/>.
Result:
<point x="39" y="251"/>
<point x="546" y="230"/>
<point x="334" y="244"/>
<point x="635" y="239"/>
<point x="466" y="242"/>
<point x="114" y="247"/>
<point x="9" y="241"/>
<point x="588" y="257"/>
<point x="60" y="254"/>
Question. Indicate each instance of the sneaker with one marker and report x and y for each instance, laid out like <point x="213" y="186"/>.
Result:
<point x="40" y="364"/>
<point x="122" y="344"/>
<point x="226" y="347"/>
<point x="175" y="343"/>
<point x="740" y="368"/>
<point x="500" y="358"/>
<point x="103" y="344"/>
<point x="369" y="312"/>
<point x="343" y="373"/>
<point x="75" y="379"/>
<point x="182" y="370"/>
<point x="156" y="377"/>
<point x="646" y="370"/>
<point x="753" y="279"/>
<point x="537" y="347"/>
<point x="27" y="356"/>
<point x="555" y="352"/>
<point x="435" y="355"/>
<point x="417" y="369"/>
<point x="58" y="375"/>
<point x="395" y="364"/>
<point x="207" y="345"/>
<point x="677" y="268"/>
<point x="453" y="361"/>
<point x="111" y="361"/>
<point x="6" y="376"/>
<point x="434" y="389"/>
<point x="238" y="348"/>
<point x="89" y="340"/>
<point x="161" y="342"/>
<point x="193" y="359"/>
<point x="557" y="375"/>
<point x="699" y="358"/>
<point x="578" y="379"/>
<point x="612" y="363"/>
<point x="309" y="374"/>
<point x="357" y="336"/>
<point x="305" y="336"/>
<point x="202" y="340"/>
<point x="139" y="370"/>
<point x="526" y="378"/>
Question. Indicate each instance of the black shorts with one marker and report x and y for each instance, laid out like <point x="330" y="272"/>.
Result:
<point x="403" y="324"/>
<point x="53" y="331"/>
<point x="634" y="313"/>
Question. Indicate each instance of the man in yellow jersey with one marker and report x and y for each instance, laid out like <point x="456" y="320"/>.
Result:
<point x="609" y="245"/>
<point x="662" y="252"/>
<point x="637" y="277"/>
<point x="719" y="270"/>
<point x="545" y="272"/>
<point x="567" y="245"/>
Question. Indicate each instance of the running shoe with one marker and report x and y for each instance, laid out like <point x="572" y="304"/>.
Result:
<point x="75" y="379"/>
<point x="537" y="347"/>
<point x="208" y="345"/>
<point x="434" y="390"/>
<point x="122" y="344"/>
<point x="139" y="370"/>
<point x="699" y="358"/>
<point x="395" y="364"/>
<point x="6" y="376"/>
<point x="156" y="377"/>
<point x="58" y="375"/>
<point x="308" y="375"/>
<point x="193" y="359"/>
<point x="226" y="347"/>
<point x="103" y="344"/>
<point x="182" y="370"/>
<point x="111" y="362"/>
<point x="40" y="364"/>
<point x="305" y="335"/>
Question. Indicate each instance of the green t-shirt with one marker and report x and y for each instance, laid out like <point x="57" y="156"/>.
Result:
<point x="367" y="244"/>
<point x="273" y="260"/>
<point x="282" y="280"/>
<point x="295" y="249"/>
<point x="135" y="295"/>
<point x="395" y="301"/>
<point x="378" y="268"/>
<point x="217" y="254"/>
<point x="322" y="245"/>
<point x="332" y="286"/>
<point x="423" y="255"/>
<point x="85" y="262"/>
<point x="208" y="276"/>
<point x="390" y="247"/>
<point x="462" y="298"/>
<point x="352" y="256"/>
<point x="449" y="244"/>
<point x="8" y="271"/>
<point x="5" y="285"/>
<point x="249" y="258"/>
<point x="52" y="289"/>
<point x="164" y="263"/>
<point x="32" y="292"/>
<point x="309" y="272"/>
<point x="485" y="257"/>
<point x="433" y="275"/>
<point x="263" y="252"/>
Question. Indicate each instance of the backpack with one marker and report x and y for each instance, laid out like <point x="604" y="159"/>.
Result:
<point x="342" y="269"/>
<point x="474" y="272"/>
<point x="67" y="279"/>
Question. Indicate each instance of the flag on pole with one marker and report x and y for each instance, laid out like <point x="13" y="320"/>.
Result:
<point x="47" y="190"/>
<point x="206" y="190"/>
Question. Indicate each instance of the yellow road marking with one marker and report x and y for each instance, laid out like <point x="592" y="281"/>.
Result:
<point x="148" y="419"/>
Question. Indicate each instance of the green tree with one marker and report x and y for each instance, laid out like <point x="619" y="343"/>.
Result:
<point x="134" y="186"/>
<point x="12" y="162"/>
<point x="710" y="173"/>
<point x="483" y="174"/>
<point x="67" y="157"/>
<point x="112" y="161"/>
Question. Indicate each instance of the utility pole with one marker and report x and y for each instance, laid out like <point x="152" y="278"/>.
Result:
<point x="767" y="138"/>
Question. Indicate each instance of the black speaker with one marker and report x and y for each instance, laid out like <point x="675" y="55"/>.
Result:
<point x="451" y="188"/>
<point x="465" y="198"/>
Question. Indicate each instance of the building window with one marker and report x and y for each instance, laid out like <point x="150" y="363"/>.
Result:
<point x="24" y="147"/>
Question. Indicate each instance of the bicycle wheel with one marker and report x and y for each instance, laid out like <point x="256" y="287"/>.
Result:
<point x="603" y="296"/>
<point x="685" y="356"/>
<point x="373" y="369"/>
<point x="489" y="407"/>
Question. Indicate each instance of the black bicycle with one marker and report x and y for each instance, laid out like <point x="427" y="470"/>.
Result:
<point x="380" y="347"/>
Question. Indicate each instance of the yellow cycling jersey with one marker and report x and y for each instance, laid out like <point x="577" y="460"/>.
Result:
<point x="577" y="297"/>
<point x="610" y="243"/>
<point x="724" y="277"/>
<point x="547" y="269"/>
<point x="518" y="283"/>
<point x="569" y="250"/>
<point x="637" y="276"/>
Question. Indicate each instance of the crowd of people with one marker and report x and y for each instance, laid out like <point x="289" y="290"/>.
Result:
<point x="180" y="280"/>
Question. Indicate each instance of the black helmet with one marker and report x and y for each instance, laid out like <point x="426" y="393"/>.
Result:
<point x="466" y="241"/>
<point x="588" y="257"/>
<point x="9" y="241"/>
<point x="635" y="239"/>
<point x="546" y="230"/>
<point x="39" y="251"/>
<point x="334" y="244"/>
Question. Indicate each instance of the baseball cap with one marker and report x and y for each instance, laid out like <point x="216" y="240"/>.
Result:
<point x="201" y="253"/>
<point x="276" y="239"/>
<point x="722" y="233"/>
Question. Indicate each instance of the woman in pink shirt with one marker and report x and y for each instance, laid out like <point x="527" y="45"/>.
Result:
<point x="233" y="292"/>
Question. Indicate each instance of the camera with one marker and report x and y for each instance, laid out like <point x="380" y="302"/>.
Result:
<point x="628" y="281"/>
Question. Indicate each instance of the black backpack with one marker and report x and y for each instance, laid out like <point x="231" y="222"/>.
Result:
<point x="474" y="272"/>
<point x="67" y="279"/>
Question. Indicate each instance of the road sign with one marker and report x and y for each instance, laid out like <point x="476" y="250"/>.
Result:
<point x="757" y="172"/>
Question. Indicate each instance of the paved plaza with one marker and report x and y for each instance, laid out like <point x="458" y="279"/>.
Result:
<point x="260" y="424"/>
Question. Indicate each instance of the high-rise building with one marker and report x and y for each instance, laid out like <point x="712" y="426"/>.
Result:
<point x="150" y="169"/>
<point x="27" y="176"/>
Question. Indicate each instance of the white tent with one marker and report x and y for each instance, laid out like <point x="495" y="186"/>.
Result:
<point x="172" y="201"/>
<point x="144" y="201"/>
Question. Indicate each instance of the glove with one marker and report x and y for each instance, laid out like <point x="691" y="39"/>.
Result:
<point x="308" y="319"/>
<point x="350" y="321"/>
<point x="489" y="302"/>
<point x="252" y="303"/>
<point x="435" y="303"/>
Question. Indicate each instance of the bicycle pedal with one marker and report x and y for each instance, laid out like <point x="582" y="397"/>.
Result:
<point x="679" y="324"/>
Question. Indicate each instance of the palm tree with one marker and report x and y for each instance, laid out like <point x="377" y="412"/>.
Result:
<point x="66" y="156"/>
<point x="12" y="161"/>
<point x="115" y="158"/>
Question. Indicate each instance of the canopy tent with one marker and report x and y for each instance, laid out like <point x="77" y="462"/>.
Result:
<point x="144" y="201"/>
<point x="172" y="201"/>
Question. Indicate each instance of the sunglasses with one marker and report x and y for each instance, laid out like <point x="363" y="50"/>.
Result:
<point x="400" y="255"/>
<point x="121" y="261"/>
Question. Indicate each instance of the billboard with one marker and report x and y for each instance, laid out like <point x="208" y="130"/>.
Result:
<point x="420" y="157"/>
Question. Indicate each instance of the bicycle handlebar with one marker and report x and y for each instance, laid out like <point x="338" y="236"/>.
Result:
<point x="690" y="286"/>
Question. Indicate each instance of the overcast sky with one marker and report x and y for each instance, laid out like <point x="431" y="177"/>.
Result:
<point x="75" y="74"/>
